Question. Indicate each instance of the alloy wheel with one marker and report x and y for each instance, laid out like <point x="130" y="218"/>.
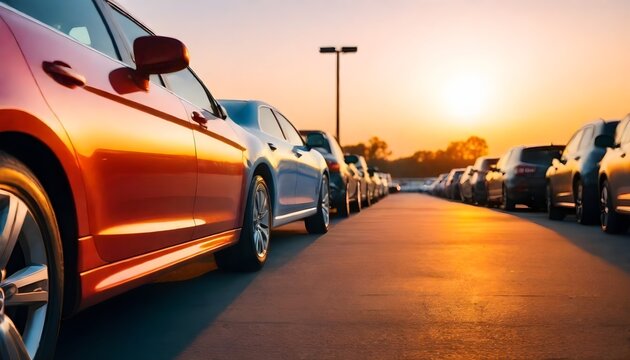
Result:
<point x="604" y="209"/>
<point x="24" y="294"/>
<point x="262" y="220"/>
<point x="325" y="201"/>
<point x="579" y="202"/>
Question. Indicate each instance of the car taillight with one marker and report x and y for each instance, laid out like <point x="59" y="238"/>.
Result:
<point x="333" y="166"/>
<point x="525" y="170"/>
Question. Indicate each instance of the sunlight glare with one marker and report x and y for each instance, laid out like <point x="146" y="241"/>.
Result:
<point x="465" y="97"/>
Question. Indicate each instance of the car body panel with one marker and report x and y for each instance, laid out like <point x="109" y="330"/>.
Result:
<point x="580" y="159"/>
<point x="297" y="171"/>
<point x="615" y="168"/>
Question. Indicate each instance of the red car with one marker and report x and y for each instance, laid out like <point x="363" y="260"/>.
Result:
<point x="116" y="164"/>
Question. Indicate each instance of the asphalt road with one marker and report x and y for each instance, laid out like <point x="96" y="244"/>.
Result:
<point x="412" y="277"/>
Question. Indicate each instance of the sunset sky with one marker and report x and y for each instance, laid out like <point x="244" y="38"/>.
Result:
<point x="427" y="71"/>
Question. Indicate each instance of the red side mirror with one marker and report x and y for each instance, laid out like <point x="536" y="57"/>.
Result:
<point x="158" y="55"/>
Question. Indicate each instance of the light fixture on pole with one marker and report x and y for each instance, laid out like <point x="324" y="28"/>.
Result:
<point x="330" y="50"/>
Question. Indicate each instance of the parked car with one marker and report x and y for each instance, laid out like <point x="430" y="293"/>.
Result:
<point x="478" y="179"/>
<point x="378" y="183"/>
<point x="614" y="180"/>
<point x="345" y="182"/>
<point x="437" y="188"/>
<point x="426" y="185"/>
<point x="572" y="180"/>
<point x="116" y="164"/>
<point x="465" y="186"/>
<point x="299" y="176"/>
<point x="394" y="187"/>
<point x="519" y="176"/>
<point x="368" y="187"/>
<point x="451" y="186"/>
<point x="384" y="183"/>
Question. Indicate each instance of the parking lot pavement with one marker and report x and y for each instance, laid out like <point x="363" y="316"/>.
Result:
<point x="412" y="277"/>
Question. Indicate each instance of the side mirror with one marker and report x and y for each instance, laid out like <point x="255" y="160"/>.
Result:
<point x="224" y="113"/>
<point x="604" y="141"/>
<point x="158" y="55"/>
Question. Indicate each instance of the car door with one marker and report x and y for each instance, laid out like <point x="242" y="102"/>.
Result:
<point x="620" y="172"/>
<point x="284" y="161"/>
<point x="309" y="174"/>
<point x="495" y="177"/>
<point x="221" y="186"/>
<point x="562" y="181"/>
<point x="135" y="147"/>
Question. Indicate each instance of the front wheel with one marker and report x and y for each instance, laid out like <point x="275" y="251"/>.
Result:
<point x="611" y="221"/>
<point x="250" y="253"/>
<point x="318" y="223"/>
<point x="585" y="206"/>
<point x="31" y="263"/>
<point x="356" y="206"/>
<point x="343" y="205"/>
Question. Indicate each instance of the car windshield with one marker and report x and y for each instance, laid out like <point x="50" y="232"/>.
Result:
<point x="541" y="156"/>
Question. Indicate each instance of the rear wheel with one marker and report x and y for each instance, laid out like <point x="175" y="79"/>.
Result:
<point x="343" y="205"/>
<point x="585" y="207"/>
<point x="553" y="212"/>
<point x="356" y="205"/>
<point x="506" y="202"/>
<point x="31" y="263"/>
<point x="250" y="253"/>
<point x="318" y="223"/>
<point x="611" y="221"/>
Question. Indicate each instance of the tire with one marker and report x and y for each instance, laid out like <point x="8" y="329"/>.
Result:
<point x="252" y="249"/>
<point x="356" y="205"/>
<point x="343" y="205"/>
<point x="553" y="212"/>
<point x="611" y="221"/>
<point x="32" y="255"/>
<point x="585" y="206"/>
<point x="368" y="197"/>
<point x="318" y="223"/>
<point x="507" y="203"/>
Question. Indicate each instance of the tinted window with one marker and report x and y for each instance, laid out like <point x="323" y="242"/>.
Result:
<point x="587" y="138"/>
<point x="540" y="156"/>
<point x="289" y="131"/>
<point x="79" y="19"/>
<point x="609" y="128"/>
<point x="130" y="28"/>
<point x="317" y="140"/>
<point x="352" y="159"/>
<point x="268" y="123"/>
<point x="186" y="85"/>
<point x="485" y="165"/>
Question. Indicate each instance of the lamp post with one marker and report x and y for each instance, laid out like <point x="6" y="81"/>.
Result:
<point x="330" y="50"/>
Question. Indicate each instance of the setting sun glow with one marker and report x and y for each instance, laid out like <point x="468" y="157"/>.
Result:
<point x="465" y="97"/>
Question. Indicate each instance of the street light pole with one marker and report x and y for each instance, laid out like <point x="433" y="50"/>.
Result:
<point x="331" y="49"/>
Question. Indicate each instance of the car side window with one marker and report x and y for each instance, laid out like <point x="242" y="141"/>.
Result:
<point x="587" y="138"/>
<point x="573" y="144"/>
<point x="289" y="131"/>
<point x="625" y="137"/>
<point x="185" y="84"/>
<point x="79" y="19"/>
<point x="268" y="123"/>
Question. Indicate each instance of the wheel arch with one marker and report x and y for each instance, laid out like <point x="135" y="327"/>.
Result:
<point x="48" y="169"/>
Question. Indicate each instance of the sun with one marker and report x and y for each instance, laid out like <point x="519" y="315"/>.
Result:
<point x="465" y="96"/>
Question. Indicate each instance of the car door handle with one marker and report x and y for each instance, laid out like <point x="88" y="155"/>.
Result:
<point x="272" y="146"/>
<point x="577" y="158"/>
<point x="623" y="155"/>
<point x="63" y="73"/>
<point x="297" y="154"/>
<point x="199" y="118"/>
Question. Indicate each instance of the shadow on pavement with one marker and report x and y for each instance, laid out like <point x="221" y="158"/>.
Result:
<point x="614" y="249"/>
<point x="158" y="321"/>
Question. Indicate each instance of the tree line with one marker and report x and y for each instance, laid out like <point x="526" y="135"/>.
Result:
<point x="422" y="163"/>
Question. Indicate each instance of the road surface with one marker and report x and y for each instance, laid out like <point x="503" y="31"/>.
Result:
<point x="411" y="277"/>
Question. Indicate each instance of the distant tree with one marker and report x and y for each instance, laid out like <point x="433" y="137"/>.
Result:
<point x="377" y="149"/>
<point x="357" y="149"/>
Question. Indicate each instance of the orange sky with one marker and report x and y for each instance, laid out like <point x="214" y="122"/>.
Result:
<point x="427" y="71"/>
